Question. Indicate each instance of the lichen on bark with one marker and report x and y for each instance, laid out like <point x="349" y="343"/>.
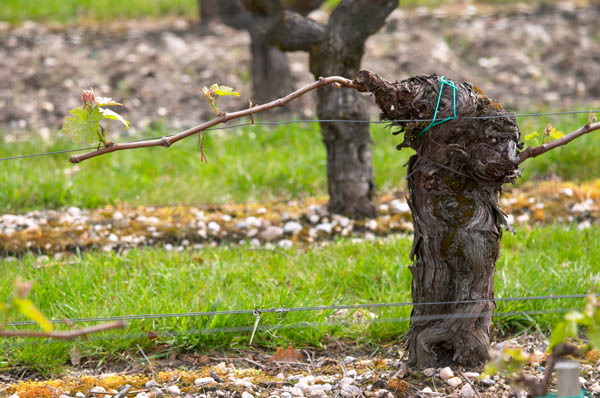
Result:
<point x="455" y="180"/>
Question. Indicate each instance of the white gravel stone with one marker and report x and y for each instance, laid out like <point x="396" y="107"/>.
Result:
<point x="285" y="244"/>
<point x="471" y="375"/>
<point x="313" y="218"/>
<point x="303" y="386"/>
<point x="200" y="381"/>
<point x="351" y="373"/>
<point x="271" y="233"/>
<point x="446" y="373"/>
<point x="173" y="389"/>
<point x="454" y="381"/>
<point x="155" y="392"/>
<point x="350" y="391"/>
<point x="142" y="395"/>
<point x="467" y="391"/>
<point x="429" y="372"/>
<point x="285" y="394"/>
<point x="213" y="227"/>
<point x="371" y="224"/>
<point x="427" y="390"/>
<point x="324" y="227"/>
<point x="297" y="392"/>
<point x="97" y="389"/>
<point x="307" y="379"/>
<point x="151" y="383"/>
<point x="399" y="206"/>
<point x="246" y="394"/>
<point x="486" y="381"/>
<point x="79" y="394"/>
<point x="292" y="227"/>
<point x="346" y="380"/>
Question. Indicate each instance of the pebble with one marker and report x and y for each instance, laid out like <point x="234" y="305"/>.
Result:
<point x="213" y="227"/>
<point x="471" y="375"/>
<point x="292" y="227"/>
<point x="467" y="391"/>
<point x="313" y="218"/>
<point x="486" y="381"/>
<point x="427" y="390"/>
<point x="285" y="394"/>
<point x="346" y="380"/>
<point x="246" y="394"/>
<point x="142" y="395"/>
<point x="156" y="392"/>
<point x="200" y="381"/>
<point x="271" y="233"/>
<point x="429" y="372"/>
<point x="285" y="244"/>
<point x="173" y="389"/>
<point x="97" y="389"/>
<point x="151" y="383"/>
<point x="349" y="391"/>
<point x="454" y="381"/>
<point x="324" y="227"/>
<point x="446" y="373"/>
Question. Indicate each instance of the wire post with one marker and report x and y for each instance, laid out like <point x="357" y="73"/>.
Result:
<point x="567" y="374"/>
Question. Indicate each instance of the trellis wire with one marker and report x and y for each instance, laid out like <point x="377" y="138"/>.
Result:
<point x="293" y="309"/>
<point x="299" y="121"/>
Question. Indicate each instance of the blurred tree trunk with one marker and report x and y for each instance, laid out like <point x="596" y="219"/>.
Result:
<point x="208" y="10"/>
<point x="454" y="179"/>
<point x="335" y="49"/>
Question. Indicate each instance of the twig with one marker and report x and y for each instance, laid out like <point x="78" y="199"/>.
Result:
<point x="222" y="118"/>
<point x="70" y="335"/>
<point x="532" y="152"/>
<point x="147" y="360"/>
<point x="469" y="382"/>
<point x="260" y="365"/>
<point x="123" y="391"/>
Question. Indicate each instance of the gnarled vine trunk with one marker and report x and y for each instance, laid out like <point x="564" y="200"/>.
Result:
<point x="454" y="182"/>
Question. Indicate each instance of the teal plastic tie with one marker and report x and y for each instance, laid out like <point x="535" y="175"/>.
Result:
<point x="582" y="394"/>
<point x="444" y="82"/>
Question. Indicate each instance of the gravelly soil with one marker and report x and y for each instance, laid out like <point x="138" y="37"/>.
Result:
<point x="270" y="225"/>
<point x="378" y="373"/>
<point x="520" y="55"/>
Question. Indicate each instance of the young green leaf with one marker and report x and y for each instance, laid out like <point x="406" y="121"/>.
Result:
<point x="224" y="90"/>
<point x="110" y="114"/>
<point x="531" y="136"/>
<point x="26" y="307"/>
<point x="105" y="101"/>
<point x="555" y="134"/>
<point x="84" y="125"/>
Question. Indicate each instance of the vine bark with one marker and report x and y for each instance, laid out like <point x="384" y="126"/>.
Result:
<point x="454" y="180"/>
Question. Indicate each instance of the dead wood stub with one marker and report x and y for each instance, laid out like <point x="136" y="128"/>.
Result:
<point x="454" y="179"/>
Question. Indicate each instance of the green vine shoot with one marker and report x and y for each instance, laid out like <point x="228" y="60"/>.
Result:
<point x="85" y="122"/>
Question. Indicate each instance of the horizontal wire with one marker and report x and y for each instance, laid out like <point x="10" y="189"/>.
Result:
<point x="305" y="325"/>
<point x="292" y="309"/>
<point x="284" y="122"/>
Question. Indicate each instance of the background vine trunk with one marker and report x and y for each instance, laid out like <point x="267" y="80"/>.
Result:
<point x="335" y="49"/>
<point x="454" y="182"/>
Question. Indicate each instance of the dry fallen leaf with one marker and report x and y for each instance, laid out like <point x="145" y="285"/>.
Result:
<point x="287" y="355"/>
<point x="75" y="355"/>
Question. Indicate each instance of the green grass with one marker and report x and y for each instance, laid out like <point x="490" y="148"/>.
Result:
<point x="248" y="164"/>
<point x="102" y="10"/>
<point x="546" y="261"/>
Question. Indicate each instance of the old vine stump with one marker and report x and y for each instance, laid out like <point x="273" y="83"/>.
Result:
<point x="454" y="182"/>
